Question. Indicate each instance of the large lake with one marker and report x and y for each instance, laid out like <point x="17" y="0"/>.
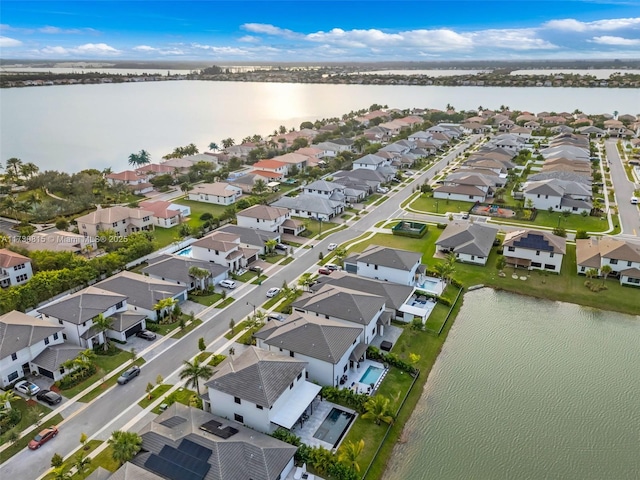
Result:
<point x="528" y="389"/>
<point x="98" y="126"/>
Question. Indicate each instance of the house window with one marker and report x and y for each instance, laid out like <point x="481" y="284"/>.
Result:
<point x="84" y="324"/>
<point x="114" y="224"/>
<point x="64" y="336"/>
<point x="537" y="253"/>
<point x="582" y="269"/>
<point x="46" y="341"/>
<point x="55" y="336"/>
<point x="536" y="264"/>
<point x="14" y="356"/>
<point x="511" y="249"/>
<point x="344" y="370"/>
<point x="628" y="264"/>
<point x="299" y="375"/>
<point x="237" y="400"/>
<point x="291" y="386"/>
<point x="551" y="255"/>
<point x="549" y="266"/>
<point x="259" y="407"/>
<point x="238" y="418"/>
<point x="12" y="376"/>
<point x="375" y="267"/>
<point x="613" y="261"/>
<point x="119" y="304"/>
<point x="60" y="322"/>
<point x="145" y="219"/>
<point x="291" y="354"/>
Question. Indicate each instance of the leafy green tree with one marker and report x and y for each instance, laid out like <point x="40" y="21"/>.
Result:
<point x="149" y="389"/>
<point x="232" y="325"/>
<point x="83" y="440"/>
<point x="194" y="371"/>
<point x="259" y="187"/>
<point x="228" y="142"/>
<point x="270" y="245"/>
<point x="103" y="324"/>
<point x="57" y="460"/>
<point x="349" y="452"/>
<point x="81" y="463"/>
<point x="7" y="397"/>
<point x="124" y="445"/>
<point x="202" y="346"/>
<point x="378" y="409"/>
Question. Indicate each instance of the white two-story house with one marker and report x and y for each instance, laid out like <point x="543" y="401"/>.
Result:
<point x="534" y="250"/>
<point x="371" y="162"/>
<point x="383" y="263"/>
<point x="15" y="269"/>
<point x="622" y="256"/>
<point x="329" y="347"/>
<point x="263" y="217"/>
<point x="219" y="193"/>
<point x="224" y="249"/>
<point x="121" y="220"/>
<point x="558" y="195"/>
<point x="261" y="389"/>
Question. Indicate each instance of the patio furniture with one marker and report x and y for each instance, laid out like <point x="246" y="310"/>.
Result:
<point x="308" y="476"/>
<point x="386" y="345"/>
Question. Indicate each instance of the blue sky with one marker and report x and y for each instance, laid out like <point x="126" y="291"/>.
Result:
<point x="308" y="30"/>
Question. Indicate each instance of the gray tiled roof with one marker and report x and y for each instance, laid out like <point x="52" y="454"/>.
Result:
<point x="245" y="455"/>
<point x="125" y="320"/>
<point x="130" y="471"/>
<point x="84" y="305"/>
<point x="346" y="304"/>
<point x="104" y="474"/>
<point x="309" y="203"/>
<point x="19" y="330"/>
<point x="52" y="357"/>
<point x="256" y="375"/>
<point x="394" y="294"/>
<point x="250" y="236"/>
<point x="370" y="159"/>
<point x="536" y="240"/>
<point x="176" y="268"/>
<point x="326" y="340"/>
<point x="324" y="186"/>
<point x="143" y="292"/>
<point x="361" y="174"/>
<point x="468" y="238"/>
<point x="390" y="257"/>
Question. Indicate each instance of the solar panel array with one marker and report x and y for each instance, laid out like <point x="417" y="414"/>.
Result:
<point x="534" y="242"/>
<point x="213" y="428"/>
<point x="187" y="462"/>
<point x="173" y="421"/>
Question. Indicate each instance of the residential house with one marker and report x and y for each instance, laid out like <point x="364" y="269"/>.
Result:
<point x="622" y="256"/>
<point x="166" y="214"/>
<point x="470" y="242"/>
<point x="121" y="220"/>
<point x="352" y="307"/>
<point x="246" y="182"/>
<point x="151" y="170"/>
<point x="384" y="263"/>
<point x="143" y="292"/>
<point x="136" y="181"/>
<point x="261" y="389"/>
<point x="464" y="193"/>
<point x="263" y="217"/>
<point x="558" y="195"/>
<point x="370" y="162"/>
<point x="329" y="347"/>
<point x="15" y="269"/>
<point x="534" y="250"/>
<point x="300" y="161"/>
<point x="360" y="179"/>
<point x="251" y="239"/>
<point x="311" y="206"/>
<point x="184" y="440"/>
<point x="224" y="249"/>
<point x="272" y="166"/>
<point x="178" y="269"/>
<point x="333" y="147"/>
<point x="60" y="241"/>
<point x="22" y="339"/>
<point x="219" y="193"/>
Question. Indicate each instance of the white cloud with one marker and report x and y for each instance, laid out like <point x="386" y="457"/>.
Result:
<point x="55" y="51"/>
<point x="512" y="39"/>
<point x="249" y="39"/>
<point x="88" y="49"/>
<point x="65" y="31"/>
<point x="573" y="25"/>
<point x="618" y="41"/>
<point x="6" y="42"/>
<point x="144" y="48"/>
<point x="268" y="29"/>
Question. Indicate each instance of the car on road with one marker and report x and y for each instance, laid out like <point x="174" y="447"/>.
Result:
<point x="129" y="375"/>
<point x="146" y="334"/>
<point x="47" y="396"/>
<point x="634" y="200"/>
<point x="43" y="437"/>
<point x="273" y="292"/>
<point x="228" y="284"/>
<point x="26" y="387"/>
<point x="332" y="246"/>
<point x="324" y="271"/>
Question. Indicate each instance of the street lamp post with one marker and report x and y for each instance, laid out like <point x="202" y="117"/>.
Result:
<point x="254" y="308"/>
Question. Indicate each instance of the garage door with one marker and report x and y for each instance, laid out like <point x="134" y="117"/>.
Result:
<point x="45" y="373"/>
<point x="133" y="330"/>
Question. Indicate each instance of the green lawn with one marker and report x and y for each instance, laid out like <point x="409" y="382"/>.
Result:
<point x="570" y="222"/>
<point x="182" y="395"/>
<point x="25" y="408"/>
<point x="437" y="317"/>
<point x="372" y="198"/>
<point x="165" y="328"/>
<point x="272" y="301"/>
<point x="286" y="261"/>
<point x="439" y="205"/>
<point x="313" y="226"/>
<point x="238" y="328"/>
<point x="191" y="326"/>
<point x="249" y="276"/>
<point x="226" y="302"/>
<point x="14" y="448"/>
<point x="89" y="447"/>
<point x="155" y="394"/>
<point x="107" y="384"/>
<point x="166" y="236"/>
<point x="426" y="244"/>
<point x="105" y="460"/>
<point x="198" y="208"/>
<point x="274" y="258"/>
<point x="206" y="300"/>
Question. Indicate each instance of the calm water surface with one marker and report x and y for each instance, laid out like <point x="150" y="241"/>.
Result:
<point x="601" y="73"/>
<point x="98" y="126"/>
<point x="528" y="389"/>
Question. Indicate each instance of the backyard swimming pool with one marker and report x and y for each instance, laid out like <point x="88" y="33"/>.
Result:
<point x="334" y="426"/>
<point x="371" y="375"/>
<point x="185" y="252"/>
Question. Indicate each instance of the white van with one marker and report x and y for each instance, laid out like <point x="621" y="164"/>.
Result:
<point x="228" y="284"/>
<point x="634" y="200"/>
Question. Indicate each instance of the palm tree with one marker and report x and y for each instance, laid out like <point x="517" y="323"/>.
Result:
<point x="348" y="454"/>
<point x="214" y="146"/>
<point x="4" y="240"/>
<point x="591" y="273"/>
<point x="29" y="169"/>
<point x="13" y="165"/>
<point x="125" y="445"/>
<point x="605" y="270"/>
<point x="165" y="305"/>
<point x="340" y="254"/>
<point x="194" y="371"/>
<point x="61" y="473"/>
<point x="445" y="269"/>
<point x="199" y="274"/>
<point x="185" y="187"/>
<point x="139" y="159"/>
<point x="360" y="143"/>
<point x="259" y="187"/>
<point x="305" y="281"/>
<point x="378" y="409"/>
<point x="81" y="463"/>
<point x="103" y="324"/>
<point x="7" y="397"/>
<point x="269" y="245"/>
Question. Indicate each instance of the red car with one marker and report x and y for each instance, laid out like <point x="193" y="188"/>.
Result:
<point x="43" y="437"/>
<point x="324" y="271"/>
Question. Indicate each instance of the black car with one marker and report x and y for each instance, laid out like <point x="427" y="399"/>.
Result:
<point x="281" y="246"/>
<point x="255" y="269"/>
<point x="128" y="375"/>
<point x="47" y="396"/>
<point x="146" y="334"/>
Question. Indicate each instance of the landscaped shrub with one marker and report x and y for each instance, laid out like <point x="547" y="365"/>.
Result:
<point x="287" y="436"/>
<point x="441" y="226"/>
<point x="9" y="419"/>
<point x="345" y="397"/>
<point x="374" y="353"/>
<point x="581" y="234"/>
<point x="76" y="377"/>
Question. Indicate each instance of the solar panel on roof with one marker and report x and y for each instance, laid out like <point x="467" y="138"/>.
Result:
<point x="534" y="242"/>
<point x="173" y="421"/>
<point x="225" y="432"/>
<point x="170" y="470"/>
<point x="211" y="426"/>
<point x="194" y="449"/>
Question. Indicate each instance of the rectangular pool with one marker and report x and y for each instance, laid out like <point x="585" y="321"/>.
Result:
<point x="371" y="375"/>
<point x="334" y="426"/>
<point x="185" y="252"/>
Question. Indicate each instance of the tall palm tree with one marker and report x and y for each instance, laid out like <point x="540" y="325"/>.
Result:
<point x="349" y="452"/>
<point x="13" y="165"/>
<point x="270" y="244"/>
<point x="29" y="169"/>
<point x="7" y="397"/>
<point x="214" y="146"/>
<point x="200" y="274"/>
<point x="61" y="473"/>
<point x="194" y="371"/>
<point x="125" y="445"/>
<point x="103" y="324"/>
<point x="378" y="409"/>
<point x="259" y="187"/>
<point x="605" y="270"/>
<point x="81" y="463"/>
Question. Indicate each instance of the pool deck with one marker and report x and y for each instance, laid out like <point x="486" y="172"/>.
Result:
<point x="321" y="409"/>
<point x="354" y="375"/>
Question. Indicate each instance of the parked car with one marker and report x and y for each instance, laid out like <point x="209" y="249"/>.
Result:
<point x="43" y="437"/>
<point x="282" y="246"/>
<point x="273" y="292"/>
<point x="26" y="387"/>
<point x="634" y="200"/>
<point x="146" y="334"/>
<point x="382" y="190"/>
<point x="324" y="271"/>
<point x="47" y="396"/>
<point x="332" y="266"/>
<point x="228" y="284"/>
<point x="332" y="246"/>
<point x="129" y="375"/>
<point x="256" y="269"/>
<point x="465" y="215"/>
<point x="275" y="316"/>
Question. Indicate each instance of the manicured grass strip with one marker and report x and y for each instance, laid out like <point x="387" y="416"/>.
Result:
<point x="105" y="460"/>
<point x="155" y="394"/>
<point x="206" y="300"/>
<point x="272" y="301"/>
<point x="238" y="328"/>
<point x="14" y="448"/>
<point x="274" y="258"/>
<point x="108" y="384"/>
<point x="202" y="356"/>
<point x="217" y="360"/>
<point x="439" y="205"/>
<point x="334" y="230"/>
<point x="187" y="329"/>
<point x="89" y="447"/>
<point x="286" y="261"/>
<point x="226" y="302"/>
<point x="182" y="395"/>
<point x="249" y="276"/>
<point x="24" y="408"/>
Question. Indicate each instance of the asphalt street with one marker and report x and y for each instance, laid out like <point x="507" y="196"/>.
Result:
<point x="629" y="214"/>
